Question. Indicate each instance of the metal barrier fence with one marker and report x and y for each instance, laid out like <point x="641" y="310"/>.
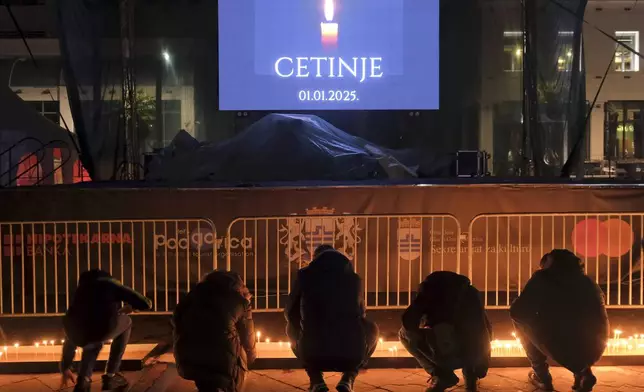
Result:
<point x="392" y="253"/>
<point x="40" y="262"/>
<point x="504" y="250"/>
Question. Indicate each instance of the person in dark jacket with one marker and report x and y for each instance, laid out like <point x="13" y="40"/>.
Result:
<point x="95" y="316"/>
<point x="446" y="328"/>
<point x="214" y="333"/>
<point x="326" y="321"/>
<point x="560" y="314"/>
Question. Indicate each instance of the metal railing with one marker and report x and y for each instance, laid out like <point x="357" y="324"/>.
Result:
<point x="392" y="253"/>
<point x="40" y="262"/>
<point x="39" y="153"/>
<point x="505" y="249"/>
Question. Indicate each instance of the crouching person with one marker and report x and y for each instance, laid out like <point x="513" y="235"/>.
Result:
<point x="214" y="333"/>
<point x="94" y="317"/>
<point x="446" y="328"/>
<point x="560" y="314"/>
<point x="326" y="321"/>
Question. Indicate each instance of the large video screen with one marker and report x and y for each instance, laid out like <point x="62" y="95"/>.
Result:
<point x="283" y="55"/>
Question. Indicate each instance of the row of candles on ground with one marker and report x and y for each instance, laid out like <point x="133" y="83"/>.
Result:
<point x="44" y="350"/>
<point x="632" y="345"/>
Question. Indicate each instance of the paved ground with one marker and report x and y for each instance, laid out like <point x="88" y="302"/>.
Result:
<point x="163" y="378"/>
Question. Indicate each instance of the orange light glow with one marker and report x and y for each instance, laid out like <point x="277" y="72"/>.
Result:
<point x="329" y="28"/>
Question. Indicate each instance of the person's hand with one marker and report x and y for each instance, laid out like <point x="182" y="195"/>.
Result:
<point x="66" y="379"/>
<point x="127" y="309"/>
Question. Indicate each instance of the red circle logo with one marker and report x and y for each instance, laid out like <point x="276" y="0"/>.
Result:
<point x="593" y="238"/>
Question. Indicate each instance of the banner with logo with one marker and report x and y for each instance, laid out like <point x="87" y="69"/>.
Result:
<point x="162" y="241"/>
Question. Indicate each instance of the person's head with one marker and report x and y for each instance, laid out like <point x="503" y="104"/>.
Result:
<point x="321" y="249"/>
<point x="229" y="279"/>
<point x="91" y="276"/>
<point x="561" y="259"/>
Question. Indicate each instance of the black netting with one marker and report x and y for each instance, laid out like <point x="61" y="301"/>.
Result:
<point x="512" y="82"/>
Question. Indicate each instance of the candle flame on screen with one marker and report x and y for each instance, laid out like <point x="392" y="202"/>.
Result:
<point x="329" y="10"/>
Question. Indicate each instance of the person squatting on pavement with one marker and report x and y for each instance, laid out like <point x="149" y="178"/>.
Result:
<point x="446" y="328"/>
<point x="95" y="316"/>
<point x="561" y="314"/>
<point x="214" y="332"/>
<point x="326" y="321"/>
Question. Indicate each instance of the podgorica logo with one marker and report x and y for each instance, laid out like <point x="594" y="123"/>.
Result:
<point x="203" y="239"/>
<point x="594" y="238"/>
<point x="199" y="239"/>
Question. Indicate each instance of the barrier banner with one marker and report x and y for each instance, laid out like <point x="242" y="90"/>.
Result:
<point x="161" y="241"/>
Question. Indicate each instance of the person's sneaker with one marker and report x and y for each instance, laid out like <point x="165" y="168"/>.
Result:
<point x="584" y="381"/>
<point x="321" y="387"/>
<point x="82" y="387"/>
<point x="471" y="383"/>
<point x="345" y="384"/>
<point x="115" y="382"/>
<point x="543" y="382"/>
<point x="440" y="384"/>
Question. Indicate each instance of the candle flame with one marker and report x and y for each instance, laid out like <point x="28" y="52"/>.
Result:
<point x="329" y="10"/>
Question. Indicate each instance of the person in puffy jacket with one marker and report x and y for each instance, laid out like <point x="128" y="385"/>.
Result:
<point x="326" y="321"/>
<point x="94" y="317"/>
<point x="561" y="314"/>
<point x="446" y="328"/>
<point x="214" y="333"/>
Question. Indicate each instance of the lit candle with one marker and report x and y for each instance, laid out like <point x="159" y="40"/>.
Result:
<point x="329" y="28"/>
<point x="16" y="345"/>
<point x="259" y="335"/>
<point x="617" y="332"/>
<point x="268" y="340"/>
<point x="36" y="345"/>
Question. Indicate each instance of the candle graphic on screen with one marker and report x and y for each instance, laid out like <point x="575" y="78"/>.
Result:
<point x="329" y="28"/>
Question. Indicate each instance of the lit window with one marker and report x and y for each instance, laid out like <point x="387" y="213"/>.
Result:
<point x="625" y="60"/>
<point x="513" y="51"/>
<point x="49" y="109"/>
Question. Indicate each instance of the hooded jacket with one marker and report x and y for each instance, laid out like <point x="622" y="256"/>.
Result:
<point x="92" y="315"/>
<point x="448" y="298"/>
<point x="214" y="329"/>
<point x="563" y="311"/>
<point x="326" y="311"/>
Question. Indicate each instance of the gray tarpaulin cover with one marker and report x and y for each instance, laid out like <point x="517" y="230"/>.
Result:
<point x="279" y="147"/>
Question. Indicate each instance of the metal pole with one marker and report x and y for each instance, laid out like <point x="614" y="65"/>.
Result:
<point x="18" y="60"/>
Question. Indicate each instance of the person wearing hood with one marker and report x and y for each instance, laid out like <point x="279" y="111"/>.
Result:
<point x="213" y="333"/>
<point x="326" y="321"/>
<point x="446" y="328"/>
<point x="94" y="316"/>
<point x="560" y="314"/>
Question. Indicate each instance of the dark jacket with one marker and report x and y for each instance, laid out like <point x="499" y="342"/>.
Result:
<point x="91" y="316"/>
<point x="448" y="298"/>
<point x="325" y="314"/>
<point x="562" y="310"/>
<point x="213" y="331"/>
